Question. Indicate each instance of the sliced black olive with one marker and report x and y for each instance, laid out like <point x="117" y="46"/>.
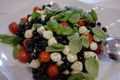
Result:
<point x="29" y="50"/>
<point x="104" y="29"/>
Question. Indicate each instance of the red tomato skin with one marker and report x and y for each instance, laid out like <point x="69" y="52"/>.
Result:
<point x="13" y="27"/>
<point x="64" y="24"/>
<point x="81" y="23"/>
<point x="44" y="57"/>
<point x="52" y="71"/>
<point x="99" y="49"/>
<point x="36" y="8"/>
<point x="90" y="38"/>
<point x="23" y="56"/>
<point x="24" y="19"/>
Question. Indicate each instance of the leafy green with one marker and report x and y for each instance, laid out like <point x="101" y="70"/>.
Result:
<point x="99" y="33"/>
<point x="92" y="66"/>
<point x="85" y="41"/>
<point x="72" y="37"/>
<point x="74" y="18"/>
<point x="4" y="38"/>
<point x="35" y="15"/>
<point x="94" y="15"/>
<point x="36" y="25"/>
<point x="15" y="51"/>
<point x="55" y="47"/>
<point x="75" y="45"/>
<point x="87" y="17"/>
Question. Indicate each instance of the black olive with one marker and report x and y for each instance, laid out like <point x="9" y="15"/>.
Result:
<point x="41" y="71"/>
<point x="62" y="68"/>
<point x="28" y="15"/>
<point x="35" y="76"/>
<point x="43" y="7"/>
<point x="93" y="24"/>
<point x="20" y="40"/>
<point x="65" y="42"/>
<point x="34" y="70"/>
<point x="59" y="39"/>
<point x="37" y="20"/>
<point x="47" y="17"/>
<point x="91" y="32"/>
<point x="98" y="23"/>
<point x="34" y="56"/>
<point x="30" y="60"/>
<point x="22" y="25"/>
<point x="43" y="22"/>
<point x="38" y="50"/>
<point x="104" y="29"/>
<point x="44" y="43"/>
<point x="29" y="43"/>
<point x="29" y="50"/>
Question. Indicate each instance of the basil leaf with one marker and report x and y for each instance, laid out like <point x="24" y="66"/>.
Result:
<point x="67" y="31"/>
<point x="99" y="33"/>
<point x="15" y="51"/>
<point x="75" y="45"/>
<point x="85" y="41"/>
<point x="4" y="38"/>
<point x="72" y="37"/>
<point x="35" y="15"/>
<point x="87" y="17"/>
<point x="55" y="47"/>
<point x="91" y="65"/>
<point x="74" y="18"/>
<point x="94" y="15"/>
<point x="37" y="25"/>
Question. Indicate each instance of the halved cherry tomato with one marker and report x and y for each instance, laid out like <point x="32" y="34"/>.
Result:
<point x="44" y="57"/>
<point x="64" y="24"/>
<point x="89" y="37"/>
<point x="25" y="41"/>
<point x="81" y="23"/>
<point x="13" y="27"/>
<point x="23" y="56"/>
<point x="24" y="19"/>
<point x="36" y="8"/>
<point x="52" y="71"/>
<point x="99" y="49"/>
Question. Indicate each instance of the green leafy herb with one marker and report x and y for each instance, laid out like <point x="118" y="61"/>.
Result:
<point x="87" y="17"/>
<point x="15" y="51"/>
<point x="35" y="15"/>
<point x="37" y="25"/>
<point x="67" y="31"/>
<point x="74" y="18"/>
<point x="94" y="15"/>
<point x="91" y="65"/>
<point x="4" y="38"/>
<point x="72" y="37"/>
<point x="55" y="47"/>
<point x="99" y="33"/>
<point x="75" y="45"/>
<point x="85" y="41"/>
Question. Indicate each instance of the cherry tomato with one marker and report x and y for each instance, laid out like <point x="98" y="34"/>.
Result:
<point x="89" y="37"/>
<point x="36" y="8"/>
<point x="99" y="49"/>
<point x="52" y="71"/>
<point x="44" y="57"/>
<point x="25" y="42"/>
<point x="24" y="19"/>
<point x="64" y="24"/>
<point x="13" y="27"/>
<point x="81" y="23"/>
<point x="23" y="56"/>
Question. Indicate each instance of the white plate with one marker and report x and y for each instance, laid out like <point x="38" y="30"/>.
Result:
<point x="14" y="70"/>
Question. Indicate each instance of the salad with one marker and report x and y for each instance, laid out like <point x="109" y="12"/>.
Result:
<point x="58" y="44"/>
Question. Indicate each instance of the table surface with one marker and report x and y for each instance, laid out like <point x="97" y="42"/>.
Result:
<point x="8" y="7"/>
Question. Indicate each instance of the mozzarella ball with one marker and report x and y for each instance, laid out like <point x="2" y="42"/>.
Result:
<point x="52" y="41"/>
<point x="78" y="66"/>
<point x="28" y="33"/>
<point x="47" y="34"/>
<point x="74" y="72"/>
<point x="43" y="17"/>
<point x="71" y="58"/>
<point x="55" y="56"/>
<point x="93" y="46"/>
<point x="59" y="63"/>
<point x="29" y="19"/>
<point x="66" y="50"/>
<point x="41" y="12"/>
<point x="96" y="39"/>
<point x="66" y="72"/>
<point x="83" y="30"/>
<point x="34" y="63"/>
<point x="88" y="54"/>
<point x="40" y="30"/>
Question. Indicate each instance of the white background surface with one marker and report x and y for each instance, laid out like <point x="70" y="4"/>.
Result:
<point x="8" y="7"/>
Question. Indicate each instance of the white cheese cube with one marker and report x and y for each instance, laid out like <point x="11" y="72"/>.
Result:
<point x="66" y="72"/>
<point x="55" y="56"/>
<point x="52" y="41"/>
<point x="59" y="63"/>
<point x="40" y="30"/>
<point x="93" y="46"/>
<point x="77" y="66"/>
<point x="96" y="39"/>
<point x="74" y="72"/>
<point x="28" y="33"/>
<point x="71" y="58"/>
<point x="47" y="34"/>
<point x="88" y="54"/>
<point x="34" y="63"/>
<point x="83" y="30"/>
<point x="66" y="50"/>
